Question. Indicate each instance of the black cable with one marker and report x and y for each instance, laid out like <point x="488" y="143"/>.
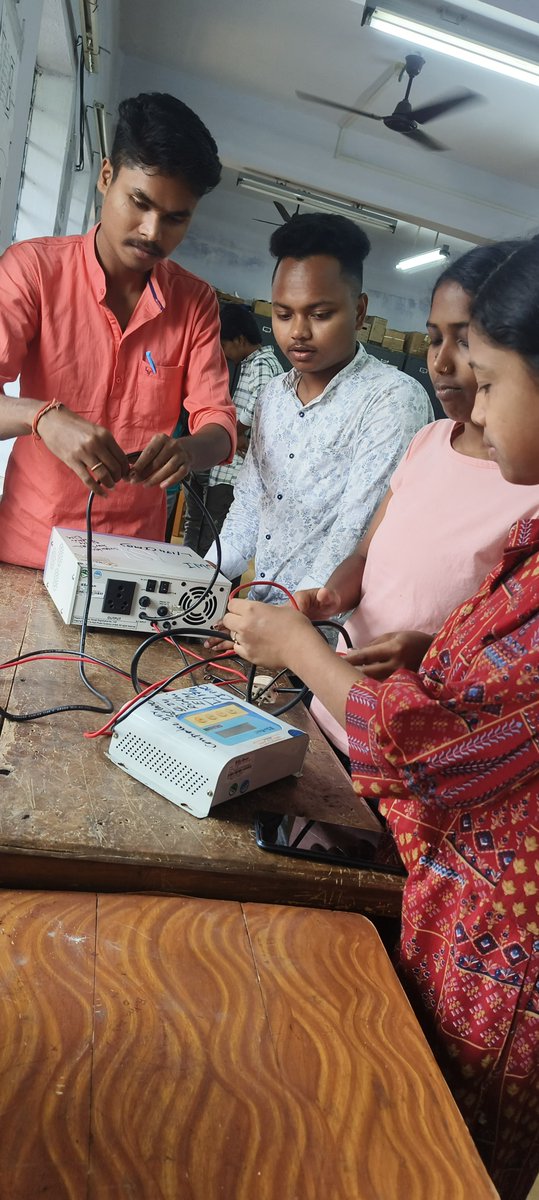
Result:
<point x="340" y="629"/>
<point x="159" y="688"/>
<point x="185" y="612"/>
<point x="62" y="654"/>
<point x="176" y="643"/>
<point x="301" y="692"/>
<point x="109" y="707"/>
<point x="79" y="165"/>
<point x="167" y="633"/>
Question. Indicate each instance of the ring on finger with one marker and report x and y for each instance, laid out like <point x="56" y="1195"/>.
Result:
<point x="95" y="466"/>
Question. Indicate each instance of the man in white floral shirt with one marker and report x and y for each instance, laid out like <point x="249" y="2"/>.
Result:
<point x="327" y="436"/>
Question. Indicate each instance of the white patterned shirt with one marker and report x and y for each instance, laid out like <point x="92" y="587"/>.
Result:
<point x="255" y="372"/>
<point x="314" y="475"/>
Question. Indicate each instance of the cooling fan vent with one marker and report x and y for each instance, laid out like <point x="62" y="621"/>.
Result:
<point x="204" y="613"/>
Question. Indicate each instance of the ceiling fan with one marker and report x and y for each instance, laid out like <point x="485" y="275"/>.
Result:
<point x="405" y="119"/>
<point x="283" y="212"/>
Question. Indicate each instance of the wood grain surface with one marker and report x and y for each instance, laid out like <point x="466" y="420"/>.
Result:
<point x="47" y="953"/>
<point x="239" y="1052"/>
<point x="70" y="818"/>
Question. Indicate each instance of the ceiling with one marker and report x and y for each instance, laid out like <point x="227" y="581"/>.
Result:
<point x="268" y="50"/>
<point x="239" y="63"/>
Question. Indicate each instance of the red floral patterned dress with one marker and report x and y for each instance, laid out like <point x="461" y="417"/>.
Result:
<point x="452" y="756"/>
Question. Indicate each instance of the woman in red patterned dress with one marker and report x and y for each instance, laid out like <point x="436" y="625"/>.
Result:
<point x="452" y="755"/>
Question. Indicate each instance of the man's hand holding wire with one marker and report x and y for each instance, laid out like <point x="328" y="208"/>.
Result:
<point x="89" y="450"/>
<point x="164" y="461"/>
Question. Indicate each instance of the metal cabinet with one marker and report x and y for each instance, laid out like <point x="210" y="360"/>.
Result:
<point x="393" y="358"/>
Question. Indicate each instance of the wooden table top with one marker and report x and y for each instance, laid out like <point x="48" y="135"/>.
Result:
<point x="165" y="1048"/>
<point x="70" y="818"/>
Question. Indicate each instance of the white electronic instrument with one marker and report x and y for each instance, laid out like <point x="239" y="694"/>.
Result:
<point x="199" y="746"/>
<point x="133" y="583"/>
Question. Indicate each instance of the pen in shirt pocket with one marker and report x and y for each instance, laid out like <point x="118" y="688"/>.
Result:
<point x="149" y="358"/>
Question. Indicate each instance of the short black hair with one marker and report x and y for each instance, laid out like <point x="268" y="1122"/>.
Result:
<point x="156" y="131"/>
<point x="506" y="308"/>
<point x="472" y="269"/>
<point x="237" y="320"/>
<point x="323" y="233"/>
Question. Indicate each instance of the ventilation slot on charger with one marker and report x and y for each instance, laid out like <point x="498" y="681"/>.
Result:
<point x="163" y="765"/>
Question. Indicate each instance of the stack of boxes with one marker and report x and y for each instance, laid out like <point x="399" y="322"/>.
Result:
<point x="376" y="332"/>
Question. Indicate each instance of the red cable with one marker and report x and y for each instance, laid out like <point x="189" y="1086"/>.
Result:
<point x="20" y="662"/>
<point x="210" y="661"/>
<point x="125" y="708"/>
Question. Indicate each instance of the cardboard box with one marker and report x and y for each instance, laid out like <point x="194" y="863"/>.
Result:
<point x="393" y="339"/>
<point x="377" y="331"/>
<point x="263" y="307"/>
<point x="363" y="333"/>
<point x="226" y="298"/>
<point x="417" y="343"/>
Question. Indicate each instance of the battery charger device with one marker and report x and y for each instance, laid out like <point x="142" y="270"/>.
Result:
<point x="134" y="582"/>
<point x="199" y="747"/>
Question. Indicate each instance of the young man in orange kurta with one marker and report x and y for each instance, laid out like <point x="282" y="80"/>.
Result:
<point x="121" y="338"/>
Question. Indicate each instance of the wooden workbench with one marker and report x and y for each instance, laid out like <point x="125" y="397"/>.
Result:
<point x="71" y="819"/>
<point x="163" y="1048"/>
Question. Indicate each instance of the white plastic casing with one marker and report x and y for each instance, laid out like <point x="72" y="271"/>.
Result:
<point x="200" y="746"/>
<point x="182" y="574"/>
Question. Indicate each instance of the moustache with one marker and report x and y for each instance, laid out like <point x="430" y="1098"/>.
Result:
<point x="146" y="247"/>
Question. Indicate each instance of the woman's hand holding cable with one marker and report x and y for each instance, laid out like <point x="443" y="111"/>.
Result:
<point x="277" y="636"/>
<point x="265" y="634"/>
<point x="391" y="652"/>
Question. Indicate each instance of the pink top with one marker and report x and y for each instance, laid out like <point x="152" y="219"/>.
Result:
<point x="444" y="529"/>
<point x="58" y="334"/>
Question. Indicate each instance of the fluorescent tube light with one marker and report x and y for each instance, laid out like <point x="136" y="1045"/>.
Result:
<point x="449" y="43"/>
<point x="439" y="255"/>
<point x="276" y="189"/>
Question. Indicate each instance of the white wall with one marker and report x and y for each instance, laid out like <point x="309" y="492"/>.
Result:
<point x="232" y="266"/>
<point x="51" y="153"/>
<point x="29" y="12"/>
<point x="50" y="175"/>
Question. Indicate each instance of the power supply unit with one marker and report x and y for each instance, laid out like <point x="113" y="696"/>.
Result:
<point x="134" y="582"/>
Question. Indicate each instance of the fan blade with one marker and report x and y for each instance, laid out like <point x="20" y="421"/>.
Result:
<point x="341" y="107"/>
<point x="422" y="139"/>
<point x="283" y="212"/>
<point x="428" y="112"/>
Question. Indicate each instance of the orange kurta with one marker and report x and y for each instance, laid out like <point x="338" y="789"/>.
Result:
<point x="58" y="334"/>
